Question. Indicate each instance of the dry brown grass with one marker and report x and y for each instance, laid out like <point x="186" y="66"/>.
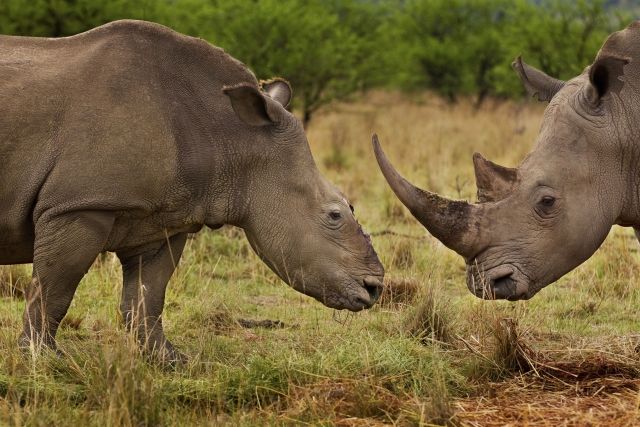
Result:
<point x="588" y="382"/>
<point x="429" y="140"/>
<point x="527" y="402"/>
<point x="589" y="386"/>
<point x="431" y="319"/>
<point x="14" y="280"/>
<point x="511" y="353"/>
<point x="399" y="291"/>
<point x="346" y="402"/>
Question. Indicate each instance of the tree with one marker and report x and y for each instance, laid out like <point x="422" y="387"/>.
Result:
<point x="59" y="18"/>
<point x="310" y="43"/>
<point x="432" y="33"/>
<point x="450" y="46"/>
<point x="331" y="49"/>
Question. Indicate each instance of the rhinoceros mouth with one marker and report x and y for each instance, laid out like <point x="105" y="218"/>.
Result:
<point x="502" y="282"/>
<point x="365" y="295"/>
<point x="358" y="295"/>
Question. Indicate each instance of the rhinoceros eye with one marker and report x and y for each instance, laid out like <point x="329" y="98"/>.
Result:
<point x="335" y="215"/>
<point x="545" y="207"/>
<point x="547" y="201"/>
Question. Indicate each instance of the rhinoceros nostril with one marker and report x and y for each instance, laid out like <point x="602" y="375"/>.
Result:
<point x="504" y="287"/>
<point x="500" y="279"/>
<point x="374" y="287"/>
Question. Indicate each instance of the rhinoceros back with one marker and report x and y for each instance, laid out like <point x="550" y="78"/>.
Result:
<point x="119" y="118"/>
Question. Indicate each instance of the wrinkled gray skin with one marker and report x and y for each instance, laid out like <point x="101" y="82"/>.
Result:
<point x="129" y="136"/>
<point x="535" y="223"/>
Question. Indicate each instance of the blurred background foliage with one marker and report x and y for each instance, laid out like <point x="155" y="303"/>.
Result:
<point x="333" y="49"/>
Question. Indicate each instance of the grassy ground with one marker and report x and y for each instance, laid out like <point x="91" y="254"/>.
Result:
<point x="430" y="353"/>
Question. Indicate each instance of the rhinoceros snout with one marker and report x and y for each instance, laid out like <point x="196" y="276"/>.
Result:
<point x="502" y="282"/>
<point x="367" y="295"/>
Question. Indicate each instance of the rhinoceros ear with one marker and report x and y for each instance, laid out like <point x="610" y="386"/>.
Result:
<point x="494" y="182"/>
<point x="278" y="89"/>
<point x="537" y="83"/>
<point x="605" y="76"/>
<point x="252" y="106"/>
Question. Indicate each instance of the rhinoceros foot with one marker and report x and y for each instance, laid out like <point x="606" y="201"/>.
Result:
<point x="164" y="354"/>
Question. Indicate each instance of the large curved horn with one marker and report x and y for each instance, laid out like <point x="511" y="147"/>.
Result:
<point x="453" y="222"/>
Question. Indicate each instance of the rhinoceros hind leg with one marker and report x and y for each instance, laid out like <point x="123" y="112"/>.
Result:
<point x="146" y="272"/>
<point x="65" y="246"/>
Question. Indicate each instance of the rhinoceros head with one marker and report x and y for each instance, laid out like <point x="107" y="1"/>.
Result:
<point x="297" y="222"/>
<point x="535" y="223"/>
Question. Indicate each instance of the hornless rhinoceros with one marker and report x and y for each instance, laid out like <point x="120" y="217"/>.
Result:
<point x="535" y="223"/>
<point x="130" y="136"/>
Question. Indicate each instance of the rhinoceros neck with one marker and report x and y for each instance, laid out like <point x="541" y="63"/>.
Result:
<point x="265" y="169"/>
<point x="626" y="124"/>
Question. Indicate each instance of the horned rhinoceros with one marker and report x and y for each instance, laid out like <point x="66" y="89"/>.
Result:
<point x="535" y="223"/>
<point x="130" y="136"/>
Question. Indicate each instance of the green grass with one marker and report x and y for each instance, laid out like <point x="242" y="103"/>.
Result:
<point x="407" y="361"/>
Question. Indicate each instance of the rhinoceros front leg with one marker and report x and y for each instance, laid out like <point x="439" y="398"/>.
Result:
<point x="637" y="231"/>
<point x="65" y="246"/>
<point x="146" y="272"/>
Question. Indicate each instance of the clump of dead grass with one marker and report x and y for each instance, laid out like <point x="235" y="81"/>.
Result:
<point x="511" y="352"/>
<point x="431" y="320"/>
<point x="503" y="352"/>
<point x="219" y="319"/>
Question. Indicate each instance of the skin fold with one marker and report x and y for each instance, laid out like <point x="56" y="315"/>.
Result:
<point x="130" y="136"/>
